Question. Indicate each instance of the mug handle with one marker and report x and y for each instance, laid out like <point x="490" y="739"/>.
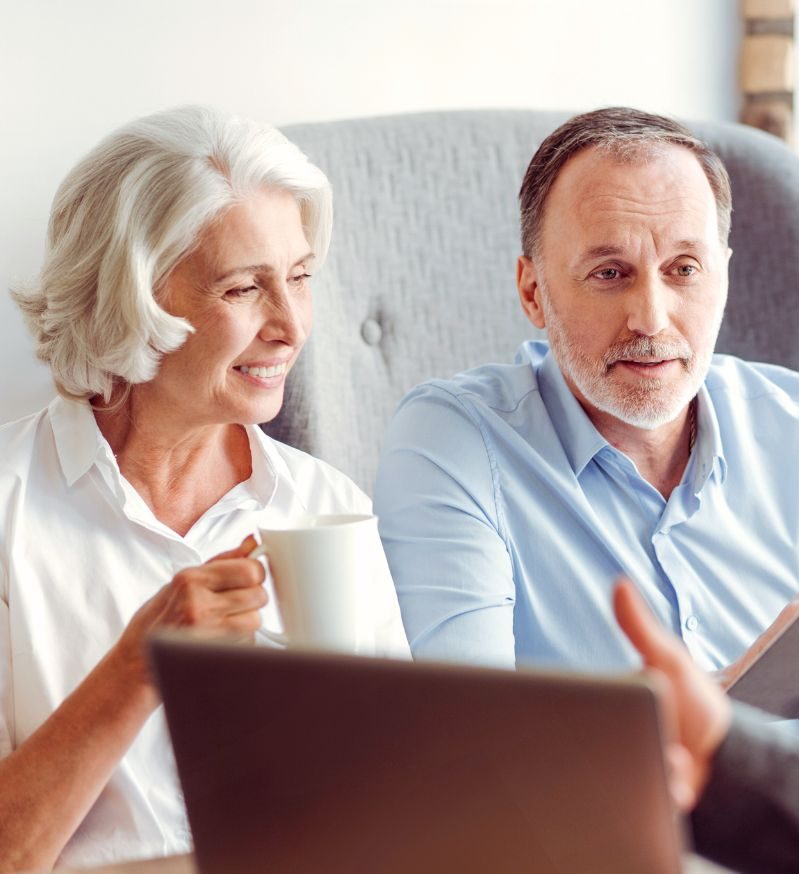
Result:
<point x="274" y="636"/>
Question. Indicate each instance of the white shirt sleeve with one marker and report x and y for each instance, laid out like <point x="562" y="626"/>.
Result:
<point x="6" y="672"/>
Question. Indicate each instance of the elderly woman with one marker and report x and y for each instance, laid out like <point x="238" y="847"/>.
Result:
<point x="174" y="299"/>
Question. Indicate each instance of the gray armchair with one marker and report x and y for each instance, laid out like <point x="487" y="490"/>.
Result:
<point x="420" y="277"/>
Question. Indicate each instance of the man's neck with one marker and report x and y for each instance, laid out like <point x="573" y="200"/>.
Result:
<point x="660" y="454"/>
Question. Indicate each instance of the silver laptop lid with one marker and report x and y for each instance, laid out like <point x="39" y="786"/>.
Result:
<point x="298" y="763"/>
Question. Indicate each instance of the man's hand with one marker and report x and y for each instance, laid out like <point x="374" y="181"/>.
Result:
<point x="220" y="598"/>
<point x="698" y="709"/>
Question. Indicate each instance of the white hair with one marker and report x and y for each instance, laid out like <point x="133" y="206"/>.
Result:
<point x="126" y="215"/>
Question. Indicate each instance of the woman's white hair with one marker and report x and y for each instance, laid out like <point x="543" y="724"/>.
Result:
<point x="126" y="215"/>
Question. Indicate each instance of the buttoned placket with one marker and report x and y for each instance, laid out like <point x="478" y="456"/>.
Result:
<point x="667" y="517"/>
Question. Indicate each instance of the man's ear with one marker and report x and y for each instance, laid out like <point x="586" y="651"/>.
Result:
<point x="530" y="291"/>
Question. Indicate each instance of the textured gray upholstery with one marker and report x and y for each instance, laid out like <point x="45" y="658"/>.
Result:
<point x="420" y="277"/>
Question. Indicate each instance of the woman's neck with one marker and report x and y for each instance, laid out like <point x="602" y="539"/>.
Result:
<point x="179" y="470"/>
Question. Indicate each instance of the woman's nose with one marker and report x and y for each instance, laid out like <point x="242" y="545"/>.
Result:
<point x="282" y="318"/>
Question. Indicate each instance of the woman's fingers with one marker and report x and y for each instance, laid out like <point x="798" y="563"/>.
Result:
<point x="241" y="551"/>
<point x="220" y="574"/>
<point x="205" y="596"/>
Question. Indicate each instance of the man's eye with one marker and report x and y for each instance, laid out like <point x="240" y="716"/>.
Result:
<point x="686" y="269"/>
<point x="607" y="273"/>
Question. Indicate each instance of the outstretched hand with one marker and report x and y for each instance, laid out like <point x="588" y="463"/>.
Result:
<point x="699" y="710"/>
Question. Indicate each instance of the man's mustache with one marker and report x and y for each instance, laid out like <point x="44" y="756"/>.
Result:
<point x="636" y="348"/>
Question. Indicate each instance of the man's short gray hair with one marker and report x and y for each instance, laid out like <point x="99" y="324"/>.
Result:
<point x="626" y="134"/>
<point x="126" y="215"/>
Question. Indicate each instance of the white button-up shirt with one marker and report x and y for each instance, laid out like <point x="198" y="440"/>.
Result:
<point x="80" y="552"/>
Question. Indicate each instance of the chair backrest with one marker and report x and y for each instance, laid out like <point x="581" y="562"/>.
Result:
<point x="420" y="280"/>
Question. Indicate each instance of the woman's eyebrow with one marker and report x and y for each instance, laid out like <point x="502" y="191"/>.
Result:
<point x="258" y="268"/>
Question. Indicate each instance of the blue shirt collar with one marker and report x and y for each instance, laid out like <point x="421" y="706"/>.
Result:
<point x="709" y="449"/>
<point x="579" y="437"/>
<point x="581" y="440"/>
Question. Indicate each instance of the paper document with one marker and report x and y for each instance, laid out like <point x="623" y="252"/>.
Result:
<point x="771" y="682"/>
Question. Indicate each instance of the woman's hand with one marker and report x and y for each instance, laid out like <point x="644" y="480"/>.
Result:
<point x="48" y="784"/>
<point x="220" y="598"/>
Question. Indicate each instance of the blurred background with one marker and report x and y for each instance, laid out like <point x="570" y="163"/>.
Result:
<point x="71" y="72"/>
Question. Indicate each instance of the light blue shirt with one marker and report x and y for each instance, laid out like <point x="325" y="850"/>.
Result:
<point x="506" y="518"/>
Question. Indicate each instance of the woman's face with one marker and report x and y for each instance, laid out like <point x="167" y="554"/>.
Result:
<point x="245" y="290"/>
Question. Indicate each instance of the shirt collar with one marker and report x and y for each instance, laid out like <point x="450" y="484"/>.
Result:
<point x="267" y="468"/>
<point x="709" y="447"/>
<point x="78" y="441"/>
<point x="80" y="445"/>
<point x="270" y="467"/>
<point x="579" y="437"/>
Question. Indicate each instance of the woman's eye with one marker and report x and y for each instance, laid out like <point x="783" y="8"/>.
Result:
<point x="300" y="278"/>
<point x="244" y="291"/>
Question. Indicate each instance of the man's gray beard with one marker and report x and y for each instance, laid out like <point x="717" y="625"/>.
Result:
<point x="643" y="406"/>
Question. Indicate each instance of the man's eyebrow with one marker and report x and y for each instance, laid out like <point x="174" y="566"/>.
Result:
<point x="259" y="268"/>
<point x="614" y="251"/>
<point x="601" y="252"/>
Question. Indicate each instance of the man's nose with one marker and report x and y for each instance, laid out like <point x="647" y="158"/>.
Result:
<point x="282" y="322"/>
<point x="648" y="312"/>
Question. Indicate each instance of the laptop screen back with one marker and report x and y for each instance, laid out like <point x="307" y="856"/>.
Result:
<point x="302" y="763"/>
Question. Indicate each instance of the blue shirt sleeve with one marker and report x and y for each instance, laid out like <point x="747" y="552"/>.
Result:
<point x="443" y="535"/>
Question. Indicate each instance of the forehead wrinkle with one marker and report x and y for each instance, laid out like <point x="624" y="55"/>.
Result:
<point x="616" y="230"/>
<point x="619" y="204"/>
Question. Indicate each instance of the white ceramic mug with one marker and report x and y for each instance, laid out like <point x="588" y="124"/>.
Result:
<point x="321" y="567"/>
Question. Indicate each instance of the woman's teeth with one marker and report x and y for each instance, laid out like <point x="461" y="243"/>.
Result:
<point x="264" y="372"/>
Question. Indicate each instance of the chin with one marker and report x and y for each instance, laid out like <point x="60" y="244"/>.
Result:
<point x="643" y="410"/>
<point x="252" y="414"/>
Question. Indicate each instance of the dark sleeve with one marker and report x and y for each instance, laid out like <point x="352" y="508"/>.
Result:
<point x="748" y="817"/>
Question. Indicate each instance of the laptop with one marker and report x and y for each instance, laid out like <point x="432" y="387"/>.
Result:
<point x="297" y="763"/>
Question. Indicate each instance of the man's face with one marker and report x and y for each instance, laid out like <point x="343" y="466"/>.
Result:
<point x="630" y="282"/>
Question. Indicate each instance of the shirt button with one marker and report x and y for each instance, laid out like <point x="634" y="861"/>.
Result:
<point x="371" y="332"/>
<point x="692" y="623"/>
<point x="665" y="531"/>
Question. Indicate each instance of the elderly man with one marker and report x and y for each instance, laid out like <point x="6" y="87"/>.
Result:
<point x="512" y="496"/>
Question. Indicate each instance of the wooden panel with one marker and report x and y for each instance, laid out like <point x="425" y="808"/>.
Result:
<point x="766" y="64"/>
<point x="773" y="116"/>
<point x="768" y="8"/>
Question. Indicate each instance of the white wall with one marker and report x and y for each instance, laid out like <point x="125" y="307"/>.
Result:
<point x="72" y="71"/>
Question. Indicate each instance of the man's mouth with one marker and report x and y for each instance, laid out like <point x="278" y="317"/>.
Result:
<point x="644" y="362"/>
<point x="646" y="366"/>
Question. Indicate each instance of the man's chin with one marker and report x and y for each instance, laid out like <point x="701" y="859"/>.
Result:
<point x="646" y="414"/>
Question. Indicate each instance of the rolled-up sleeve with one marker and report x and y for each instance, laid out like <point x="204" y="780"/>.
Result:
<point x="442" y="529"/>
